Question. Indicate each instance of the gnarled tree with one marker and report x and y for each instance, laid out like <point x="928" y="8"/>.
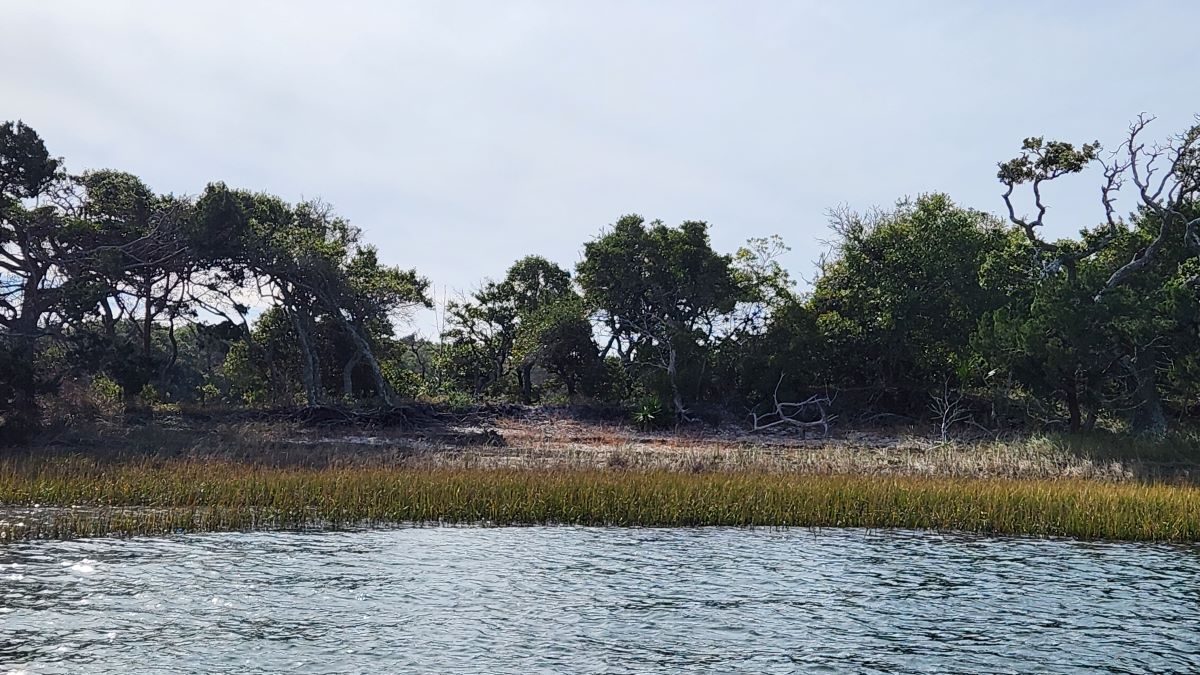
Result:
<point x="1165" y="178"/>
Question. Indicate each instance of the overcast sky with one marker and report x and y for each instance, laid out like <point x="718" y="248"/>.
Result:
<point x="463" y="135"/>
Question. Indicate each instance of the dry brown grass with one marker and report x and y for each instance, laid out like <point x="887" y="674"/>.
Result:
<point x="567" y="444"/>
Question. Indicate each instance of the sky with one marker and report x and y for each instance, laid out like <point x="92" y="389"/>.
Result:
<point x="461" y="136"/>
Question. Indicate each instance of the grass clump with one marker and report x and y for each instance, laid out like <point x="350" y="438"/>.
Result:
<point x="78" y="496"/>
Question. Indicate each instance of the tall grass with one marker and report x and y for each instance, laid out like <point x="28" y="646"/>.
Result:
<point x="142" y="497"/>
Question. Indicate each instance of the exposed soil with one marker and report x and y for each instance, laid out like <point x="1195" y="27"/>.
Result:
<point x="521" y="437"/>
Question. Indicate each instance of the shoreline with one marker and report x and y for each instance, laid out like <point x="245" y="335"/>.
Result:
<point x="162" y="479"/>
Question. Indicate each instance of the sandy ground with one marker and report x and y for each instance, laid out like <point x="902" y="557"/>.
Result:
<point x="547" y="441"/>
<point x="562" y="443"/>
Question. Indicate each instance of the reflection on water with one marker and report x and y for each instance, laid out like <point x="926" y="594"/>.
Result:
<point x="591" y="600"/>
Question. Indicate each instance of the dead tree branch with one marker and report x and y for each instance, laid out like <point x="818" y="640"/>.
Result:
<point x="1166" y="178"/>
<point x="796" y="415"/>
<point x="948" y="410"/>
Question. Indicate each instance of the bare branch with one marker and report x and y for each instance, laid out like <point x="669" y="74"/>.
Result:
<point x="948" y="410"/>
<point x="1168" y="199"/>
<point x="789" y="413"/>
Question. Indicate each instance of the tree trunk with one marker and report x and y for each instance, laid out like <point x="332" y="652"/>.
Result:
<point x="1149" y="419"/>
<point x="364" y="351"/>
<point x="25" y="418"/>
<point x="525" y="378"/>
<point x="348" y="376"/>
<point x="681" y="413"/>
<point x="147" y="321"/>
<point x="310" y="374"/>
<point x="1076" y="417"/>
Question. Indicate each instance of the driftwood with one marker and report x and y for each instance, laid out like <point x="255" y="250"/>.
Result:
<point x="795" y="415"/>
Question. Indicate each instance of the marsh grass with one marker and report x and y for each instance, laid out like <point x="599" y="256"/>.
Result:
<point x="179" y="478"/>
<point x="77" y="496"/>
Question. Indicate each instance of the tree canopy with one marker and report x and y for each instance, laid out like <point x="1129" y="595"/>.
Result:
<point x="237" y="298"/>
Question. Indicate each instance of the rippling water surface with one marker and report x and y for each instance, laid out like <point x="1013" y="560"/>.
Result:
<point x="589" y="600"/>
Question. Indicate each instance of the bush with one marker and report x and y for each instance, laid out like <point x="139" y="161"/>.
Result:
<point x="649" y="413"/>
<point x="105" y="395"/>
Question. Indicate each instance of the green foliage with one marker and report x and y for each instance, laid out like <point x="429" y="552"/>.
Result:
<point x="649" y="413"/>
<point x="104" y="280"/>
<point x="149" y="395"/>
<point x="1042" y="160"/>
<point x="898" y="301"/>
<point x="663" y="294"/>
<point x="766" y="284"/>
<point x="557" y="336"/>
<point x="208" y="393"/>
<point x="106" y="393"/>
<point x="1048" y="336"/>
<point x="405" y="383"/>
<point x="249" y="378"/>
<point x="27" y="168"/>
<point x="657" y="279"/>
<point x="530" y="319"/>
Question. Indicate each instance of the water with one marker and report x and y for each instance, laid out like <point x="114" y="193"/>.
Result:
<point x="592" y="600"/>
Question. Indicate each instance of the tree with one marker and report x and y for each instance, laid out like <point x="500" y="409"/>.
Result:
<point x="661" y="293"/>
<point x="767" y="285"/>
<point x="142" y="251"/>
<point x="1166" y="178"/>
<point x="314" y="266"/>
<point x="484" y="329"/>
<point x="30" y="254"/>
<point x="744" y="358"/>
<point x="897" y="303"/>
<point x="533" y="285"/>
<point x="558" y="336"/>
<point x="1048" y="337"/>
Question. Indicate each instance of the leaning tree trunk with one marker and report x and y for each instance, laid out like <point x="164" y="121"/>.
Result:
<point x="348" y="376"/>
<point x="366" y="354"/>
<point x="310" y="374"/>
<point x="25" y="418"/>
<point x="1148" y="416"/>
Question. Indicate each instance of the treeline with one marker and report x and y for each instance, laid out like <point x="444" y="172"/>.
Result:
<point x="112" y="295"/>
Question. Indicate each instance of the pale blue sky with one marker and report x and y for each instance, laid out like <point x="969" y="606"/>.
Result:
<point x="463" y="135"/>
